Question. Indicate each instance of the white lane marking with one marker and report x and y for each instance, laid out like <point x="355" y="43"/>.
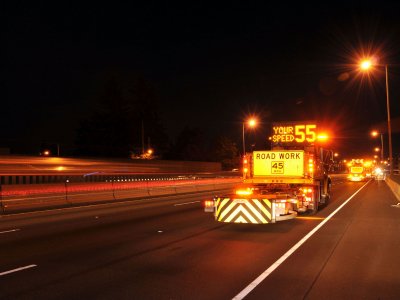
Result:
<point x="50" y="197"/>
<point x="68" y="208"/>
<point x="186" y="203"/>
<point x="17" y="270"/>
<point x="8" y="231"/>
<point x="285" y="256"/>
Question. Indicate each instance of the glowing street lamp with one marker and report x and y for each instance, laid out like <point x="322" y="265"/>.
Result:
<point x="365" y="66"/>
<point x="375" y="133"/>
<point x="251" y="123"/>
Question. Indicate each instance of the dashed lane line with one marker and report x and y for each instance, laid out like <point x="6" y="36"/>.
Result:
<point x="8" y="231"/>
<point x="17" y="270"/>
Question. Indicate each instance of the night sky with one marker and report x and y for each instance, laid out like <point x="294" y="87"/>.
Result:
<point x="210" y="64"/>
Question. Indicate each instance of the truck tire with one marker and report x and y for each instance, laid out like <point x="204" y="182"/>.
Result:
<point x="326" y="192"/>
<point x="315" y="201"/>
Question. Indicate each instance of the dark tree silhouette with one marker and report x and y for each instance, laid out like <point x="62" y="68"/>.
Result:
<point x="227" y="153"/>
<point x="190" y="145"/>
<point x="124" y="119"/>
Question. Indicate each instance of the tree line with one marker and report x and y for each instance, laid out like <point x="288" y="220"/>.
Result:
<point x="125" y="121"/>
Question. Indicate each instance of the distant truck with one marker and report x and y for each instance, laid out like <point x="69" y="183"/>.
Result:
<point x="291" y="178"/>
<point x="359" y="170"/>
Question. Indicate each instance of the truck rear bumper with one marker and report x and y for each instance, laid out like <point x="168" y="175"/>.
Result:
<point x="252" y="210"/>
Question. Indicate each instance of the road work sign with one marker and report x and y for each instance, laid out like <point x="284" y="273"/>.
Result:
<point x="278" y="163"/>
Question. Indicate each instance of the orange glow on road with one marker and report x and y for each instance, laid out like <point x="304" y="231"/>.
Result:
<point x="310" y="218"/>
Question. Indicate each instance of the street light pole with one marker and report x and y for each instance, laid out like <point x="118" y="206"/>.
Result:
<point x="251" y="123"/>
<point x="365" y="65"/>
<point x="381" y="147"/>
<point x="142" y="137"/>
<point x="244" y="147"/>
<point x="388" y="121"/>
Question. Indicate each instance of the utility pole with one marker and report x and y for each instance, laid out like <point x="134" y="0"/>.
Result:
<point x="142" y="137"/>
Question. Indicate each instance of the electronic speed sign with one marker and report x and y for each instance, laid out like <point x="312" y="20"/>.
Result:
<point x="291" y="134"/>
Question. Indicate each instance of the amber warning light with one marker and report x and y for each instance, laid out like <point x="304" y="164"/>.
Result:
<point x="208" y="205"/>
<point x="293" y="133"/>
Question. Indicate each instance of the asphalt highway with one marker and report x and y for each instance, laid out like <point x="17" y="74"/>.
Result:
<point x="168" y="248"/>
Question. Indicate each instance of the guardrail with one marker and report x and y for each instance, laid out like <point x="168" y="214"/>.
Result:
<point x="92" y="177"/>
<point x="393" y="182"/>
<point x="75" y="191"/>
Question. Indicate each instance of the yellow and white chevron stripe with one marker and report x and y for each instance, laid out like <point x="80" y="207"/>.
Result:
<point x="254" y="211"/>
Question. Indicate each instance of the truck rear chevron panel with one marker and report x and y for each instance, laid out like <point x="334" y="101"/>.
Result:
<point x="255" y="211"/>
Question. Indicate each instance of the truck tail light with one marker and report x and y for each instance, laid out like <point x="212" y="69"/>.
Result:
<point x="245" y="166"/>
<point x="208" y="205"/>
<point x="311" y="165"/>
<point x="307" y="193"/>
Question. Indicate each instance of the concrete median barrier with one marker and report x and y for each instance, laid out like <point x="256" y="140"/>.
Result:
<point x="394" y="185"/>
<point x="82" y="192"/>
<point x="162" y="190"/>
<point x="15" y="198"/>
<point x="26" y="197"/>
